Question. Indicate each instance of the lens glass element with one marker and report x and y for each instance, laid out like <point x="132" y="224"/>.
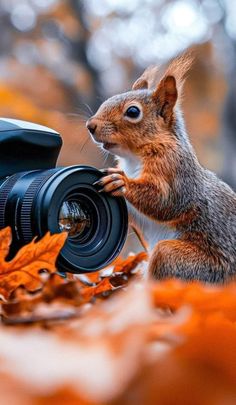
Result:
<point x="73" y="218"/>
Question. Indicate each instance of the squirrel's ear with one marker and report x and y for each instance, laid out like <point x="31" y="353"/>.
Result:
<point x="147" y="80"/>
<point x="171" y="85"/>
<point x="140" y="84"/>
<point x="166" y="96"/>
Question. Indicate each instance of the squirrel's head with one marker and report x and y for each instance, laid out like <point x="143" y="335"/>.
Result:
<point x="129" y="122"/>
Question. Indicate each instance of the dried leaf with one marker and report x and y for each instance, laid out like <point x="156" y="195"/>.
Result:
<point x="103" y="286"/>
<point x="129" y="264"/>
<point x="23" y="269"/>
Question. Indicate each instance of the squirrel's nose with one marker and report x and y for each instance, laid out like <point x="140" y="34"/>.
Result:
<point x="91" y="126"/>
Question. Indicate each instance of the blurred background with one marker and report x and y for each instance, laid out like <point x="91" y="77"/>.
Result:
<point x="59" y="59"/>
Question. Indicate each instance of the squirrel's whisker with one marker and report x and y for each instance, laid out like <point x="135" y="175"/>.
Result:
<point x="83" y="145"/>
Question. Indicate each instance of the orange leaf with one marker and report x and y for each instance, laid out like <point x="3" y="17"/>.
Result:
<point x="89" y="292"/>
<point x="24" y="268"/>
<point x="130" y="263"/>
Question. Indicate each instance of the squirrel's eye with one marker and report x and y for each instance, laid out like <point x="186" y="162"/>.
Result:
<point x="133" y="112"/>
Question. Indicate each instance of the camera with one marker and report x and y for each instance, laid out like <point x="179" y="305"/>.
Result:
<point x="36" y="197"/>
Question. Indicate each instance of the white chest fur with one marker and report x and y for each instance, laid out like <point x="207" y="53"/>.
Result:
<point x="152" y="231"/>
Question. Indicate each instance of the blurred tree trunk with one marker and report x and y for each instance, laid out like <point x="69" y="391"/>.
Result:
<point x="79" y="46"/>
<point x="228" y="135"/>
<point x="229" y="126"/>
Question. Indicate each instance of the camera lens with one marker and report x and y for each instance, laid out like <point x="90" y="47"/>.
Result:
<point x="64" y="199"/>
<point x="73" y="218"/>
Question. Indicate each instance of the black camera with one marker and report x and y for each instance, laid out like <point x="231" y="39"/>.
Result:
<point x="36" y="197"/>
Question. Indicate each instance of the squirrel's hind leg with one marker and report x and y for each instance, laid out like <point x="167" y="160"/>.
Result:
<point x="184" y="260"/>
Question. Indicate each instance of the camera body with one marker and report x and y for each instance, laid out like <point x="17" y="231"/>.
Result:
<point x="36" y="197"/>
<point x="27" y="146"/>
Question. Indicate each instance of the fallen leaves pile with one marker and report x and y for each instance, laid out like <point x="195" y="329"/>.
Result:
<point x="111" y="337"/>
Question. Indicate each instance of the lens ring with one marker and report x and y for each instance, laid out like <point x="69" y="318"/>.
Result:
<point x="6" y="188"/>
<point x="28" y="200"/>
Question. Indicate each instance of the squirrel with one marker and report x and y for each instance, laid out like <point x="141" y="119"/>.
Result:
<point x="183" y="211"/>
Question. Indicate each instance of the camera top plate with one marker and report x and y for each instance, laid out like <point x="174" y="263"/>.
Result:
<point x="9" y="124"/>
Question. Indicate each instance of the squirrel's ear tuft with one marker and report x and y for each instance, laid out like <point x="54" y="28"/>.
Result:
<point x="179" y="67"/>
<point x="140" y="84"/>
<point x="148" y="79"/>
<point x="170" y="86"/>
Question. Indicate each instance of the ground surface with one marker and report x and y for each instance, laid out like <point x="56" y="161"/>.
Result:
<point x="111" y="337"/>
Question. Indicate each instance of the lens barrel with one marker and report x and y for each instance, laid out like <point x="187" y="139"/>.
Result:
<point x="38" y="201"/>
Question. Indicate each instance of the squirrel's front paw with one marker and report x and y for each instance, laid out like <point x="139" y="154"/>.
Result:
<point x="114" y="183"/>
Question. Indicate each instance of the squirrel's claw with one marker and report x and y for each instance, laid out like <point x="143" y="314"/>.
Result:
<point x="114" y="183"/>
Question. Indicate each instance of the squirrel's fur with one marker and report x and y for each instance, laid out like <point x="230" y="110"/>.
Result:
<point x="184" y="212"/>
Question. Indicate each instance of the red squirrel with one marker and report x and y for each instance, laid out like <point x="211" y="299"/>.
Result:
<point x="183" y="211"/>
